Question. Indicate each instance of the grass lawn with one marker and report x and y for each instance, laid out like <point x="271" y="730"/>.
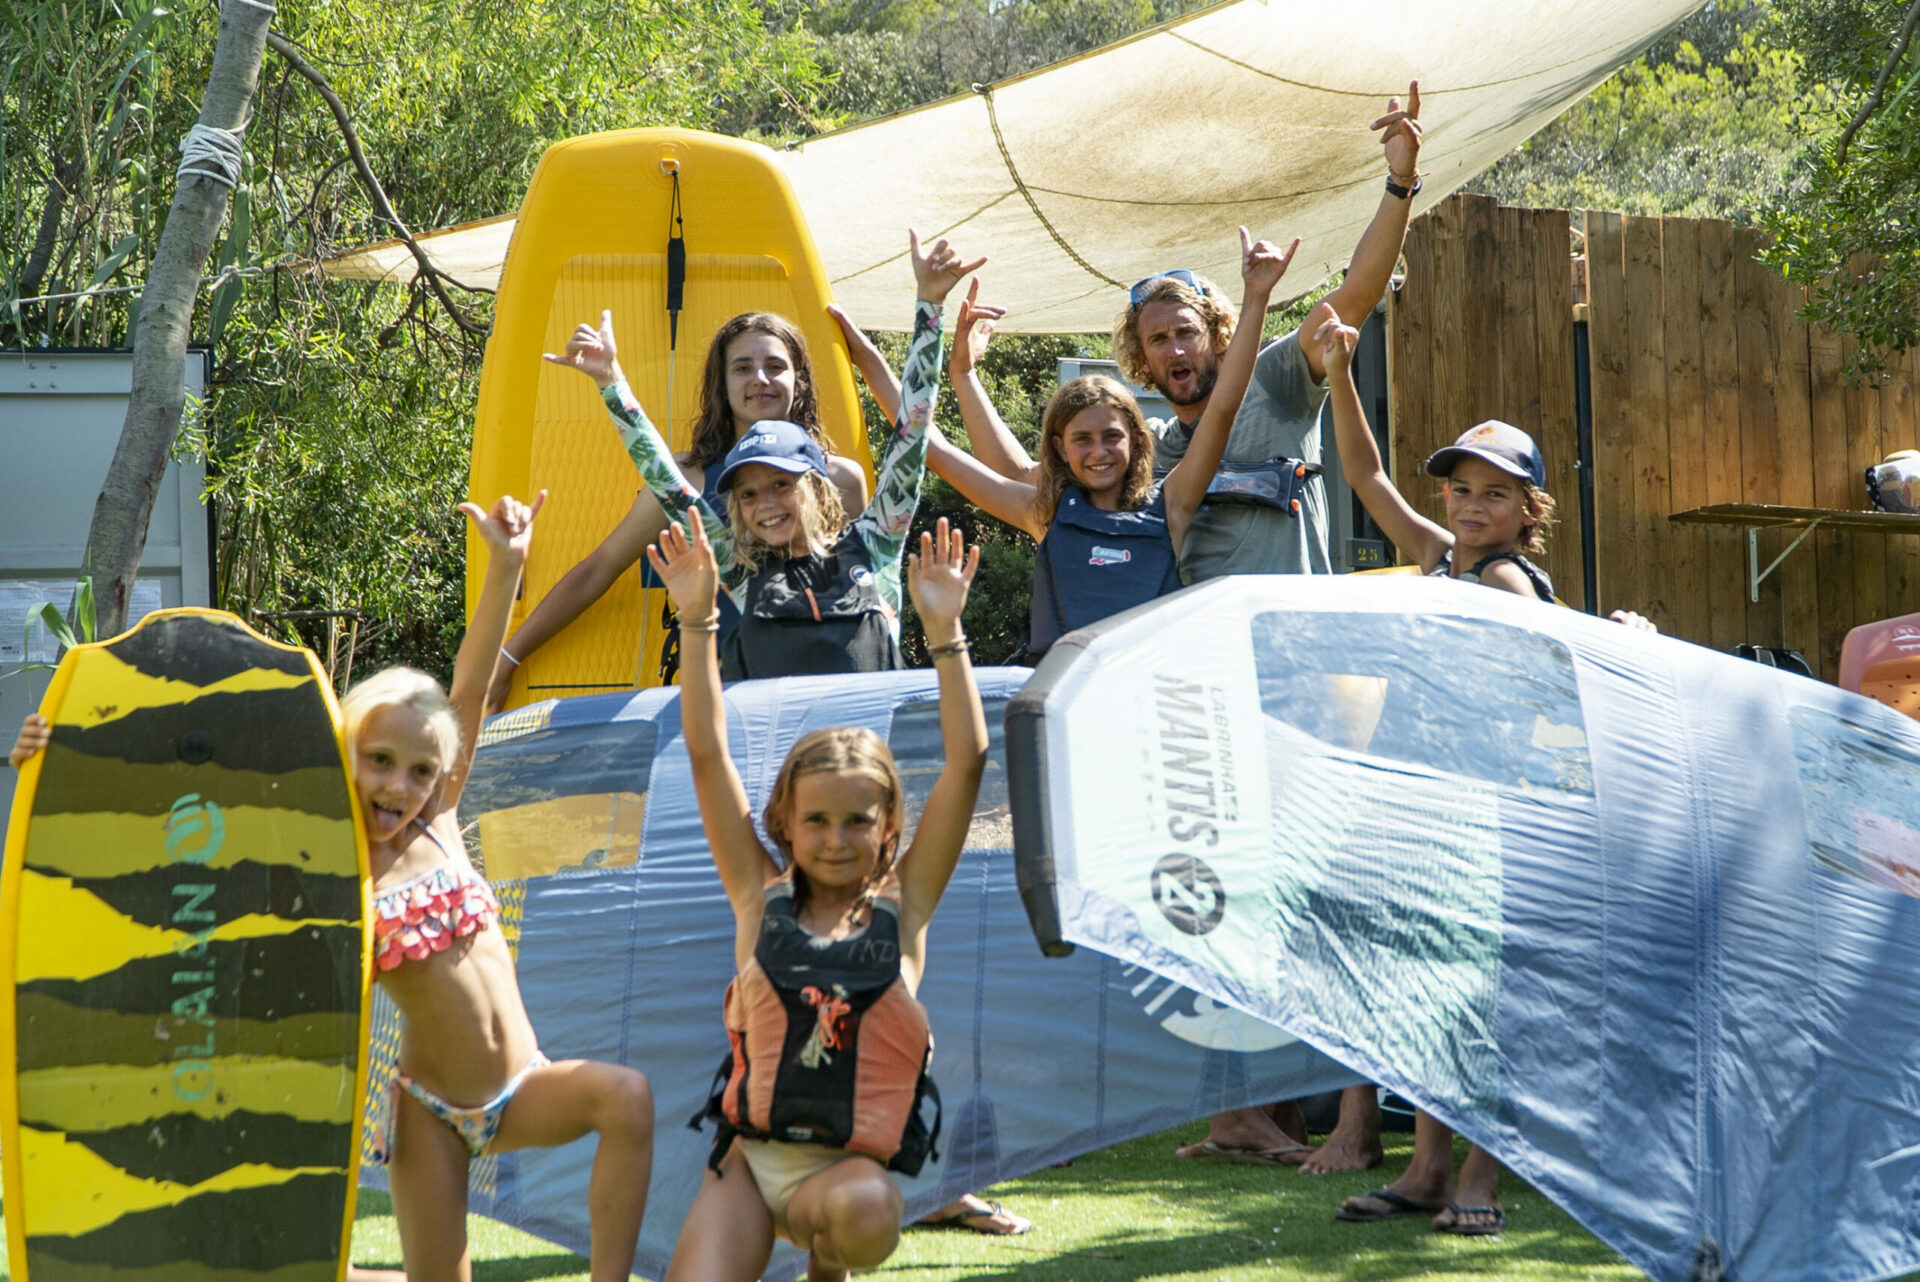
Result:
<point x="1135" y="1211"/>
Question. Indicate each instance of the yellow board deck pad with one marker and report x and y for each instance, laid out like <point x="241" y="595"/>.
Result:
<point x="594" y="235"/>
<point x="184" y="952"/>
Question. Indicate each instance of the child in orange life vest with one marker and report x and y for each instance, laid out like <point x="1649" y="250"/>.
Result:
<point x="1497" y="513"/>
<point x="833" y="933"/>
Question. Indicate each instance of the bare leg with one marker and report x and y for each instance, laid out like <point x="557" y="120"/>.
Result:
<point x="427" y="1177"/>
<point x="560" y="1103"/>
<point x="1247" y="1135"/>
<point x="1427" y="1183"/>
<point x="357" y="1274"/>
<point x="1354" y="1143"/>
<point x="1475" y="1208"/>
<point x="848" y="1215"/>
<point x="728" y="1233"/>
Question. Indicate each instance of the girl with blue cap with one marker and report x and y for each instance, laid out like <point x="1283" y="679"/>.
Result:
<point x="817" y="593"/>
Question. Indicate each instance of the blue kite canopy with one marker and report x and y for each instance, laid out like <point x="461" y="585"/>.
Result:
<point x="585" y="818"/>
<point x="1636" y="916"/>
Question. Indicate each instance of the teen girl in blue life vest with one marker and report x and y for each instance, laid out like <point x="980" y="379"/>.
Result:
<point x="816" y="593"/>
<point x="757" y="370"/>
<point x="821" y="1093"/>
<point x="1497" y="514"/>
<point x="1109" y="535"/>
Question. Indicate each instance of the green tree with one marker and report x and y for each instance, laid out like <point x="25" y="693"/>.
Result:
<point x="340" y="414"/>
<point x="1851" y="234"/>
<point x="1704" y="125"/>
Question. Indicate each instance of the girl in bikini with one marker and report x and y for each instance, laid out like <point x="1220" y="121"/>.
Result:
<point x="471" y="1079"/>
<point x="816" y="593"/>
<point x="1109" y="534"/>
<point x="757" y="369"/>
<point x="830" y="932"/>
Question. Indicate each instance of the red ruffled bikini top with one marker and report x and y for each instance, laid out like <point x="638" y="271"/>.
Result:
<point x="425" y="914"/>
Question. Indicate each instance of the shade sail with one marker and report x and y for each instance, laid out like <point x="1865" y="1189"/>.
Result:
<point x="1085" y="176"/>
<point x="1638" y="917"/>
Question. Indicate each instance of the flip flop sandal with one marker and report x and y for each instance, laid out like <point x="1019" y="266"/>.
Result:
<point x="1247" y="1156"/>
<point x="992" y="1216"/>
<point x="1459" y="1229"/>
<point x="1403" y="1208"/>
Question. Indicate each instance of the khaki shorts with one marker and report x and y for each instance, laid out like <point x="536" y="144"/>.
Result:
<point x="780" y="1168"/>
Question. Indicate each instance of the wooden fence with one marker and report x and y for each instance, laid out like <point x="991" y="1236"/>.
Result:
<point x="1704" y="388"/>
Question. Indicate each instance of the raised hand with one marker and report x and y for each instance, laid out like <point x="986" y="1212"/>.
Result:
<point x="592" y="352"/>
<point x="972" y="331"/>
<point x="35" y="734"/>
<point x="508" y="529"/>
<point x="685" y="563"/>
<point x="1261" y="264"/>
<point x="1402" y="137"/>
<point x="938" y="268"/>
<point x="1336" y="339"/>
<point x="938" y="577"/>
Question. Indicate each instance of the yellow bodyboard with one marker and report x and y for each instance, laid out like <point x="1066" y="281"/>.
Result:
<point x="593" y="235"/>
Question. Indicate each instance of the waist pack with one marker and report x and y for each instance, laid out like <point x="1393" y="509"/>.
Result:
<point x="1277" y="483"/>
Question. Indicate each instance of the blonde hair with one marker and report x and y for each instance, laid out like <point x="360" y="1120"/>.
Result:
<point x="1209" y="304"/>
<point x="840" y="750"/>
<point x="822" y="517"/>
<point x="1086" y="392"/>
<point x="407" y="688"/>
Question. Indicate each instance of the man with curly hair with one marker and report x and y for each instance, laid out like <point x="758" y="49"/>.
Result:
<point x="1170" y="337"/>
<point x="1172" y="333"/>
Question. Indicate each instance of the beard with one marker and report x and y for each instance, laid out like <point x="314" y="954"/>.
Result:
<point x="1203" y="381"/>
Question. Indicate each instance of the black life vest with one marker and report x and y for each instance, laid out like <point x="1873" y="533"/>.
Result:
<point x="812" y="616"/>
<point x="828" y="1046"/>
<point x="1542" y="585"/>
<point x="1093" y="564"/>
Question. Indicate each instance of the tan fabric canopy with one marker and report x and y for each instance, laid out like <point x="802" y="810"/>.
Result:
<point x="1081" y="178"/>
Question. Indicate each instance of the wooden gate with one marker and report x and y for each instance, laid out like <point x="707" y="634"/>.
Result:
<point x="1704" y="389"/>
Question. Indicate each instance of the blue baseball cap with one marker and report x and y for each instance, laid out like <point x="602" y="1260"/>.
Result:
<point x="1501" y="444"/>
<point x="777" y="443"/>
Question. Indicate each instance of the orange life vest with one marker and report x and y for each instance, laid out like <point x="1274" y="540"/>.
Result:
<point x="828" y="1046"/>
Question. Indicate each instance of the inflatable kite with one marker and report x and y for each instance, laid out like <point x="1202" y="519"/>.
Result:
<point x="584" y="816"/>
<point x="1638" y="917"/>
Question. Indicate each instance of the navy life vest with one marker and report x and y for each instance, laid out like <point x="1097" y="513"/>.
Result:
<point x="828" y="1046"/>
<point x="1542" y="585"/>
<point x="1093" y="564"/>
<point x="812" y="616"/>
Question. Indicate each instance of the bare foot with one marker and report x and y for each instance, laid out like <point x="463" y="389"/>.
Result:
<point x="1246" y="1134"/>
<point x="1354" y="1144"/>
<point x="1474" y="1209"/>
<point x="357" y="1274"/>
<point x="1292" y="1122"/>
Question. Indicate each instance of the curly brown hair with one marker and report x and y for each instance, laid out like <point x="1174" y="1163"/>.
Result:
<point x="1086" y="392"/>
<point x="838" y="750"/>
<point x="713" y="431"/>
<point x="1215" y="312"/>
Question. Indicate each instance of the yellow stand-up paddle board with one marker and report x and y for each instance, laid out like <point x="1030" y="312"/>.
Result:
<point x="184" y="966"/>
<point x="594" y="233"/>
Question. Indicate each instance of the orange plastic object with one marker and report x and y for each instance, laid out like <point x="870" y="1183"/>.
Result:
<point x="1877" y="652"/>
<point x="593" y="234"/>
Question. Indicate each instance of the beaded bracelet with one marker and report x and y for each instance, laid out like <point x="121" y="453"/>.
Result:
<point x="951" y="647"/>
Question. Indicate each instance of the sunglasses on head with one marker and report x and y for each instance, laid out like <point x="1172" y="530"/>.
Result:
<point x="1144" y="286"/>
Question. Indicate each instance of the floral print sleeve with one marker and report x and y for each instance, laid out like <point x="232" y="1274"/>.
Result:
<point x="884" y="525"/>
<point x="667" y="483"/>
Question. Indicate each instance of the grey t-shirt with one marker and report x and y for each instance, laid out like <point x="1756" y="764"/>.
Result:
<point x="1280" y="416"/>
